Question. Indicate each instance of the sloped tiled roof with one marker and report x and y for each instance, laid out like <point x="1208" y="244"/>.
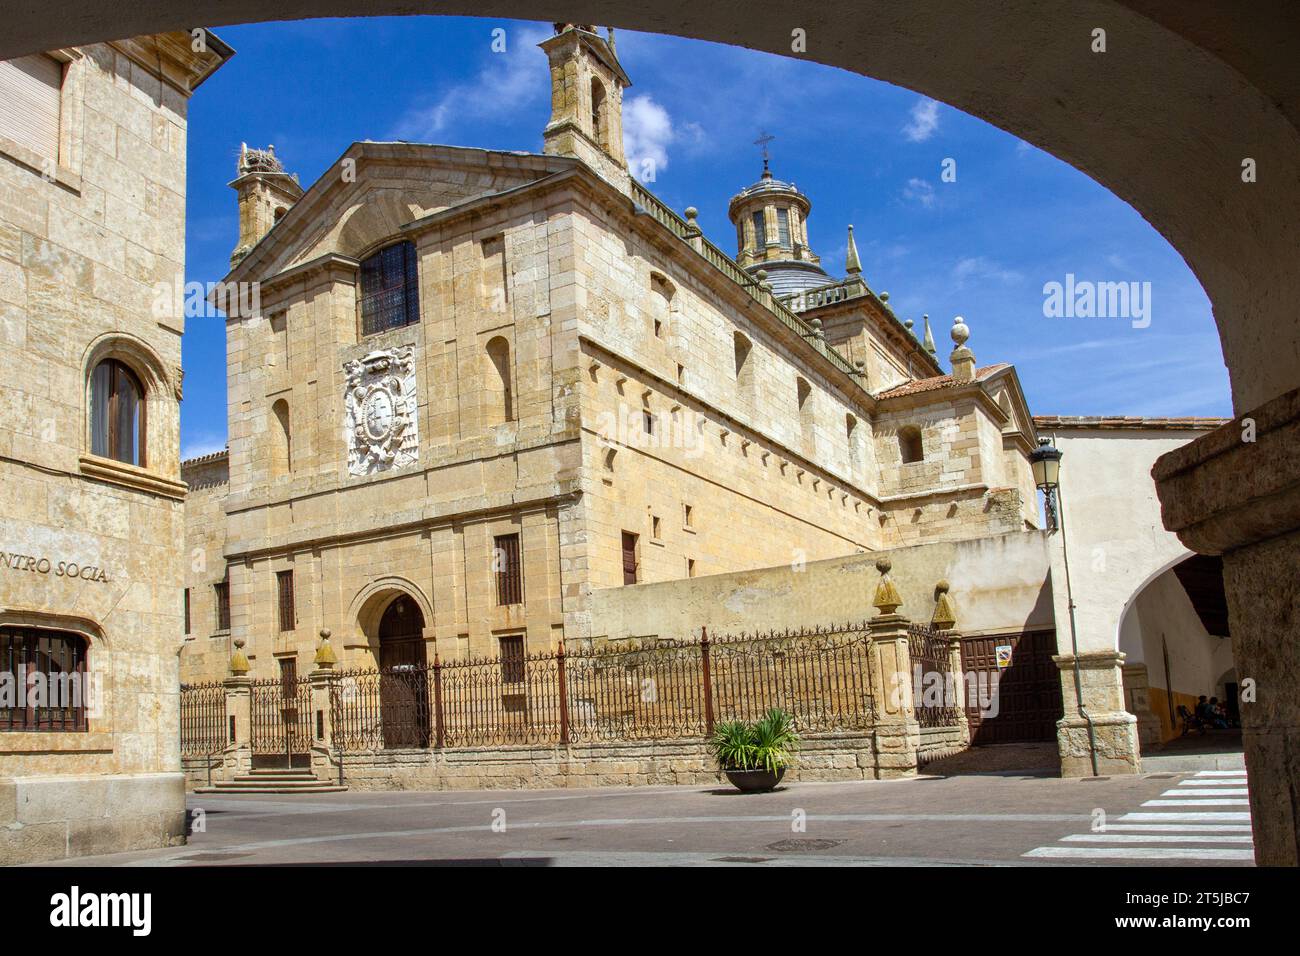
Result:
<point x="937" y="382"/>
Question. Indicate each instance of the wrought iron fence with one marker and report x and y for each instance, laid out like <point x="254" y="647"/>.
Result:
<point x="203" y="719"/>
<point x="667" y="690"/>
<point x="281" y="716"/>
<point x="934" y="682"/>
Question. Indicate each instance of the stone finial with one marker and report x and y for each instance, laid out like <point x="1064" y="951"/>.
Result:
<point x="325" y="656"/>
<point x="944" y="617"/>
<point x="887" y="599"/>
<point x="239" y="665"/>
<point x="818" y="331"/>
<point x="692" y="216"/>
<point x="907" y="324"/>
<point x="852" y="264"/>
<point x="884" y="297"/>
<point x="928" y="343"/>
<point x="962" y="358"/>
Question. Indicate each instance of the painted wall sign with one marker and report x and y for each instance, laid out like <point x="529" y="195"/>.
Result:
<point x="1003" y="652"/>
<point x="14" y="561"/>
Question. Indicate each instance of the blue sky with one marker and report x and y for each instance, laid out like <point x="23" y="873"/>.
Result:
<point x="865" y="152"/>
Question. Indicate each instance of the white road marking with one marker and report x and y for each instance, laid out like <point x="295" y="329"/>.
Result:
<point x="1214" y="802"/>
<point x="1155" y="838"/>
<point x="1216" y="792"/>
<point x="1217" y="816"/>
<point x="1139" y="853"/>
<point x="1222" y="773"/>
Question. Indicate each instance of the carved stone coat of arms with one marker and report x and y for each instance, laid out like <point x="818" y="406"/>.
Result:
<point x="380" y="425"/>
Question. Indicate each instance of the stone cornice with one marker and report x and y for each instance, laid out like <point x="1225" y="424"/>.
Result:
<point x="171" y="57"/>
<point x="1223" y="491"/>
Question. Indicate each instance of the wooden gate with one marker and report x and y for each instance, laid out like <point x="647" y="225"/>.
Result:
<point x="1020" y="701"/>
<point x="403" y="678"/>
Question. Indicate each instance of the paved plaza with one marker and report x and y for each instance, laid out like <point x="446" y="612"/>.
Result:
<point x="1198" y="818"/>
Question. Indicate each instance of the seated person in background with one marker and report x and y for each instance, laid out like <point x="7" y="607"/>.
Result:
<point x="1203" y="710"/>
<point x="1218" y="717"/>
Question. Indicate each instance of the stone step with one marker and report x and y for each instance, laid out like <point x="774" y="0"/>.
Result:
<point x="231" y="788"/>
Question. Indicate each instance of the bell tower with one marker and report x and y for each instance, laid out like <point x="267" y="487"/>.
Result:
<point x="265" y="193"/>
<point x="587" y="84"/>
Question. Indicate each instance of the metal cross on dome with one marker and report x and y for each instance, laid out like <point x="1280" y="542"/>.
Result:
<point x="763" y="139"/>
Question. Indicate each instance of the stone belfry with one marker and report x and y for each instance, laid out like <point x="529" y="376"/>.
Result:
<point x="265" y="193"/>
<point x="587" y="84"/>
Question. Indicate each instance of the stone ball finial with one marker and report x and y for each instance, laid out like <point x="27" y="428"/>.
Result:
<point x="884" y="297"/>
<point x="944" y="617"/>
<point x="960" y="331"/>
<point x="761" y="275"/>
<point x="883" y="565"/>
<point x="239" y="665"/>
<point x="325" y="656"/>
<point x="887" y="600"/>
<point x="941" y="587"/>
<point x="691" y="212"/>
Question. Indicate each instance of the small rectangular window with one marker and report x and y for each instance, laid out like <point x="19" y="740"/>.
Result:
<point x="648" y="422"/>
<point x="509" y="573"/>
<point x="288" y="678"/>
<point x="690" y="567"/>
<point x="655" y="528"/>
<point x="629" y="558"/>
<point x="285" y="595"/>
<point x="187" y="610"/>
<point x="688" y="516"/>
<point x="760" y="233"/>
<point x="221" y="591"/>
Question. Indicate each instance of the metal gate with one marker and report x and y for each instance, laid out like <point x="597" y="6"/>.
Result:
<point x="281" y="720"/>
<point x="1013" y="688"/>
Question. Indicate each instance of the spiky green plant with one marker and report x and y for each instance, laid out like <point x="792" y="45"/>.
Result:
<point x="766" y="744"/>
<point x="731" y="745"/>
<point x="774" y="739"/>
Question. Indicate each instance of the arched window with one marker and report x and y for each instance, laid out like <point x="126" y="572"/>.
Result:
<point x="501" y="406"/>
<point x="390" y="292"/>
<point x="55" y="693"/>
<point x="281" y="440"/>
<point x="117" y="413"/>
<point x="598" y="111"/>
<point x="910" y="447"/>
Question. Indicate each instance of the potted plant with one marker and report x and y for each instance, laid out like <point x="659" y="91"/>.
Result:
<point x="754" y="755"/>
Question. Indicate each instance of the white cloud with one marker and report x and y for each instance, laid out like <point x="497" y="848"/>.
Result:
<point x="925" y="120"/>
<point x="979" y="267"/>
<point x="648" y="131"/>
<point x="507" y="79"/>
<point x="918" y="190"/>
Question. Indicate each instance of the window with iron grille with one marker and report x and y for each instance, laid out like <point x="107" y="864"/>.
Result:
<point x="512" y="659"/>
<point x="510" y="578"/>
<point x="284" y="590"/>
<point x="288" y="677"/>
<point x="187" y="610"/>
<point x="49" y="689"/>
<point x="783" y="226"/>
<point x="390" y="294"/>
<point x="222" y="592"/>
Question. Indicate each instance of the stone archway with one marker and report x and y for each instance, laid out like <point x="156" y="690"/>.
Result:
<point x="1183" y="100"/>
<point x="403" y="675"/>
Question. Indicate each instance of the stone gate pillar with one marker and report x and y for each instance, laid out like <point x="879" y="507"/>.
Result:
<point x="239" y="709"/>
<point x="1236" y="492"/>
<point x="897" y="733"/>
<point x="322" y="680"/>
<point x="944" y="619"/>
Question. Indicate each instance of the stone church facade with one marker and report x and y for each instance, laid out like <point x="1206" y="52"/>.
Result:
<point x="501" y="385"/>
<point x="92" y="226"/>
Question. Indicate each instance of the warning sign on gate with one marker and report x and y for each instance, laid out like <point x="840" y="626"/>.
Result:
<point x="1003" y="652"/>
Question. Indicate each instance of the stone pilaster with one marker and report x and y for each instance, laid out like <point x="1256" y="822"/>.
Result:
<point x="1104" y="726"/>
<point x="959" y="685"/>
<point x="239" y="707"/>
<point x="1236" y="492"/>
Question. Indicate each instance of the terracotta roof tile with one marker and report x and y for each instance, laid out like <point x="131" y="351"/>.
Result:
<point x="937" y="381"/>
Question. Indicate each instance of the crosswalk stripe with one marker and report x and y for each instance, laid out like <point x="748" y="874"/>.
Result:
<point x="1196" y="803"/>
<point x="1217" y="782"/>
<point x="1216" y="792"/>
<point x="1179" y="816"/>
<point x="1140" y="853"/>
<point x="1221" y="773"/>
<point x="1181" y="827"/>
<point x="1155" y="838"/>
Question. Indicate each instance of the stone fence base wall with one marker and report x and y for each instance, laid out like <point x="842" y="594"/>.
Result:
<point x="849" y="756"/>
<point x="939" y="742"/>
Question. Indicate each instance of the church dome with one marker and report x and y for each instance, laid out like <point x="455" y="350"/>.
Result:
<point x="771" y="220"/>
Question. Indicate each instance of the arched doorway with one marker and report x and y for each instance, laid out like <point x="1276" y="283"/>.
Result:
<point x="403" y="675"/>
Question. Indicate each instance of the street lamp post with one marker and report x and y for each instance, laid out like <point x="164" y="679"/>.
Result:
<point x="1045" y="460"/>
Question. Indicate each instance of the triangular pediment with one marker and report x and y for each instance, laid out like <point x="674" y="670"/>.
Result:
<point x="374" y="189"/>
